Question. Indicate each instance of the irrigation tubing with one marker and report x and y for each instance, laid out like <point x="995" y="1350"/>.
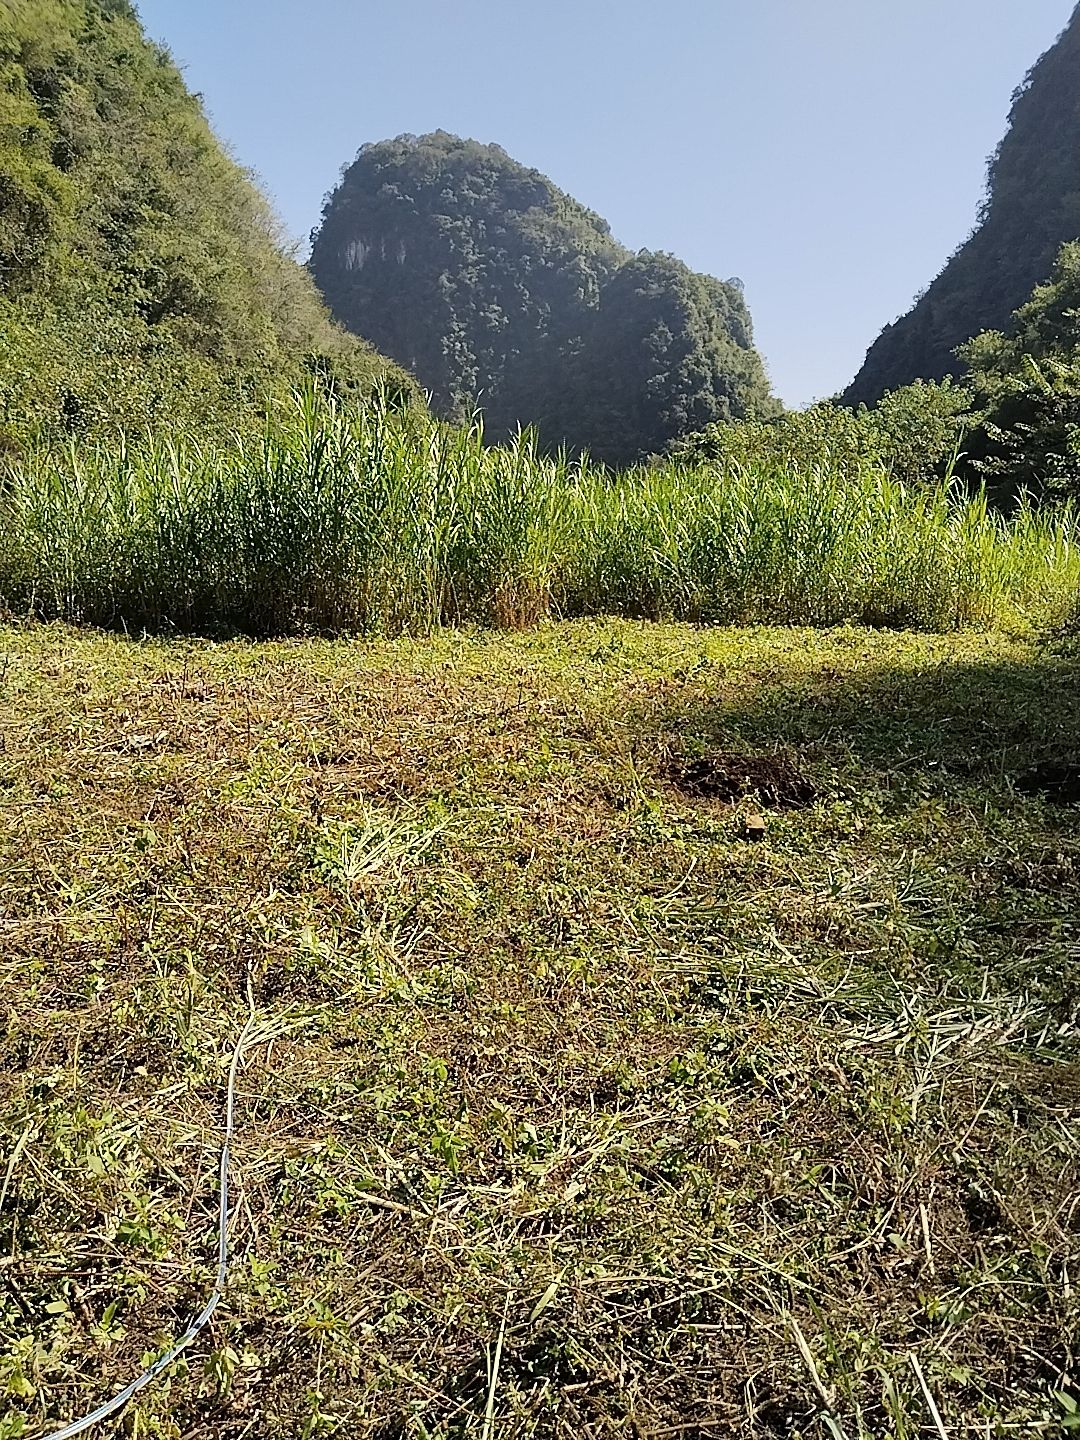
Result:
<point x="117" y="1403"/>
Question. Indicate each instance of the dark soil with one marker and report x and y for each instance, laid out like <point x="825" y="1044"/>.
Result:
<point x="1058" y="783"/>
<point x="771" y="779"/>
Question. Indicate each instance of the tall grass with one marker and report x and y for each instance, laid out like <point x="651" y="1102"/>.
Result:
<point x="370" y="520"/>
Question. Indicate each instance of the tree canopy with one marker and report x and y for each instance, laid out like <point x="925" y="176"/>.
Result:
<point x="1026" y="386"/>
<point x="499" y="291"/>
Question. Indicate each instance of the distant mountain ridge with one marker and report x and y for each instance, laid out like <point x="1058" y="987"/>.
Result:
<point x="1032" y="208"/>
<point x="498" y="290"/>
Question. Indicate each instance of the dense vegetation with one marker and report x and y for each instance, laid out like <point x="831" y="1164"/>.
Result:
<point x="1025" y="388"/>
<point x="914" y="434"/>
<point x="142" y="274"/>
<point x="497" y="290"/>
<point x="1032" y="207"/>
<point x="1012" y="424"/>
<point x="369" y="519"/>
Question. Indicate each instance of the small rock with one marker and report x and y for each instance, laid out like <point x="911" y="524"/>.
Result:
<point x="754" y="827"/>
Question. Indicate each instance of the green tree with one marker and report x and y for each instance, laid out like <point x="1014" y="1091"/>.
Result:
<point x="916" y="434"/>
<point x="1027" y="385"/>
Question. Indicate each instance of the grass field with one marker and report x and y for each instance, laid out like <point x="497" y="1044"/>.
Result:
<point x="571" y="1111"/>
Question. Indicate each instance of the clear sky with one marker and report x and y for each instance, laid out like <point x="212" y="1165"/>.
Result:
<point x="829" y="152"/>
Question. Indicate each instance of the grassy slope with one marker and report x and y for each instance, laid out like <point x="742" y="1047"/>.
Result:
<point x="720" y="1133"/>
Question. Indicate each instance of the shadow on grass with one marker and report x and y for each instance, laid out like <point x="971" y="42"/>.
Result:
<point x="1000" y="722"/>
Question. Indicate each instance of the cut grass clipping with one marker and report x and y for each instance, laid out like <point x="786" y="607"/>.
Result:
<point x="571" y="1112"/>
<point x="374" y="521"/>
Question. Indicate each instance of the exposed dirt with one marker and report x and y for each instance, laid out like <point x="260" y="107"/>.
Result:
<point x="1059" y="783"/>
<point x="771" y="779"/>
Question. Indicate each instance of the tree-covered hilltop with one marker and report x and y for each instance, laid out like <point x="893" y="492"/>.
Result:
<point x="1032" y="207"/>
<point x="142" y="273"/>
<point x="497" y="289"/>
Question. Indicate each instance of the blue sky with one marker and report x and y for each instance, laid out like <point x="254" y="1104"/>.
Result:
<point x="829" y="152"/>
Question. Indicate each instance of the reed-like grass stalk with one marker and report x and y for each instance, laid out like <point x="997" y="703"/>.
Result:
<point x="371" y="520"/>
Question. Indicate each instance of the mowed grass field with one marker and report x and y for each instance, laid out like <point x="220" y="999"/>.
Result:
<point x="570" y="1110"/>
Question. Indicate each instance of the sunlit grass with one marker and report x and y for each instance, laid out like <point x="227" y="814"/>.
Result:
<point x="714" y="1138"/>
<point x="369" y="520"/>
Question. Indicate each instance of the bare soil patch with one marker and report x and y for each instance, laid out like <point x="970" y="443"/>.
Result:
<point x="1059" y="783"/>
<point x="773" y="780"/>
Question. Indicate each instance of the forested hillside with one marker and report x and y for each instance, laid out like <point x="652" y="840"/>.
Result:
<point x="1032" y="207"/>
<point x="497" y="289"/>
<point x="142" y="274"/>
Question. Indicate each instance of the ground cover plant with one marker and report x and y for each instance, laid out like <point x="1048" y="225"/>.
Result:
<point x="373" y="519"/>
<point x="571" y="1111"/>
